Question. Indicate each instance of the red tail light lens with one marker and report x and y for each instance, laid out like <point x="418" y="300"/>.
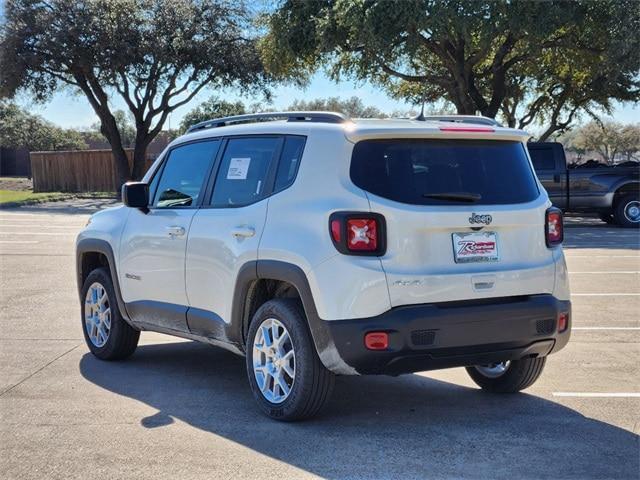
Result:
<point x="362" y="234"/>
<point x="554" y="227"/>
<point x="355" y="233"/>
<point x="336" y="230"/>
<point x="376" y="340"/>
<point x="563" y="322"/>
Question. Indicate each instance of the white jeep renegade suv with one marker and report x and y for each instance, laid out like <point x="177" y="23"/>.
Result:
<point x="315" y="245"/>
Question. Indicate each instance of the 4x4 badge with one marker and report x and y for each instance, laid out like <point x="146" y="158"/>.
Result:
<point x="484" y="219"/>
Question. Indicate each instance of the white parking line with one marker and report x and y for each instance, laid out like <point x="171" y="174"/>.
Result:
<point x="629" y="272"/>
<point x="38" y="233"/>
<point x="608" y="245"/>
<point x="605" y="294"/>
<point x="605" y="328"/>
<point x="31" y="225"/>
<point x="19" y="241"/>
<point x="597" y="395"/>
<point x="603" y="256"/>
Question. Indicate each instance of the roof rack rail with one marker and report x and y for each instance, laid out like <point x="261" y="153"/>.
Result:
<point x="463" y="119"/>
<point x="319" y="117"/>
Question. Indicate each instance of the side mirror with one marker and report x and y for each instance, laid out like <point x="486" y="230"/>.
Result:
<point x="135" y="195"/>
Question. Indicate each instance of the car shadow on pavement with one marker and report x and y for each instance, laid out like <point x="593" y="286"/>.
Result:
<point x="374" y="427"/>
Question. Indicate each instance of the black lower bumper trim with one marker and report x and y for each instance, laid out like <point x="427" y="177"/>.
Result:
<point x="434" y="336"/>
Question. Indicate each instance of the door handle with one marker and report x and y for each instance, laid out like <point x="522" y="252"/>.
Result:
<point x="243" y="232"/>
<point x="175" y="231"/>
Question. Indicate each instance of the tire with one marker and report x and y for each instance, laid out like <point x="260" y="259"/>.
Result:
<point x="311" y="385"/>
<point x="121" y="339"/>
<point x="627" y="211"/>
<point x="519" y="374"/>
<point x="607" y="218"/>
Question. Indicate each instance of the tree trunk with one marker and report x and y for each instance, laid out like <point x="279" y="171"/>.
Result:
<point x="123" y="171"/>
<point x="123" y="174"/>
<point x="140" y="158"/>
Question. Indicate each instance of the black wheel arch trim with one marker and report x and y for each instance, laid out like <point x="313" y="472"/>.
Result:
<point x="294" y="275"/>
<point x="95" y="245"/>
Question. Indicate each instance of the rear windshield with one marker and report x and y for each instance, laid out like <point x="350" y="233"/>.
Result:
<point x="444" y="172"/>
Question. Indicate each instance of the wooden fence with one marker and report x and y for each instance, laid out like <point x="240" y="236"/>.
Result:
<point x="76" y="171"/>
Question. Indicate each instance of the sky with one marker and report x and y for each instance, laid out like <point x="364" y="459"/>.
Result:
<point x="71" y="110"/>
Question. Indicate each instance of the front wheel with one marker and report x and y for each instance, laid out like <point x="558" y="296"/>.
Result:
<point x="107" y="334"/>
<point x="507" y="377"/>
<point x="287" y="378"/>
<point x="627" y="211"/>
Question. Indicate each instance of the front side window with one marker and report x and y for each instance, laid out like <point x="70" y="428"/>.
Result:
<point x="242" y="175"/>
<point x="181" y="181"/>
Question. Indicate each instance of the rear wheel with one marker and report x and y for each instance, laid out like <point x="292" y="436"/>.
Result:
<point x="287" y="378"/>
<point x="507" y="377"/>
<point x="627" y="211"/>
<point x="107" y="334"/>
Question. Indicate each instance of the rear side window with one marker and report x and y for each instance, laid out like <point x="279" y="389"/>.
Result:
<point x="289" y="161"/>
<point x="242" y="175"/>
<point x="542" y="158"/>
<point x="444" y="172"/>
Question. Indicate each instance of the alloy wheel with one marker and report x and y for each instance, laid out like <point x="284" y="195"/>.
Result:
<point x="493" y="370"/>
<point x="274" y="360"/>
<point x="97" y="314"/>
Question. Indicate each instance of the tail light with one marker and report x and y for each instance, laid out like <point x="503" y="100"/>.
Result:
<point x="554" y="227"/>
<point x="356" y="233"/>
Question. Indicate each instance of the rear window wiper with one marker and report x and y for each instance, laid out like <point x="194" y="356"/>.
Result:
<point x="455" y="196"/>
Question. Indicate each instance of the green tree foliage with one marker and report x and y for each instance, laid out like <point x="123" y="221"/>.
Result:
<point x="126" y="128"/>
<point x="612" y="141"/>
<point x="20" y="129"/>
<point x="211" y="108"/>
<point x="526" y="61"/>
<point x="353" y="107"/>
<point x="156" y="55"/>
<point x="216" y="108"/>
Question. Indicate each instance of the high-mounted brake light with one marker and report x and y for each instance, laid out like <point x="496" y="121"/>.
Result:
<point x="554" y="227"/>
<point x="358" y="233"/>
<point x="467" y="129"/>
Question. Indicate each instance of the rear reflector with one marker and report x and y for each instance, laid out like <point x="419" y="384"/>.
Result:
<point x="554" y="227"/>
<point x="376" y="340"/>
<point x="336" y="230"/>
<point x="563" y="322"/>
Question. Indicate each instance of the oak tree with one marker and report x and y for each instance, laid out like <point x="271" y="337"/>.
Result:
<point x="152" y="55"/>
<point x="525" y="61"/>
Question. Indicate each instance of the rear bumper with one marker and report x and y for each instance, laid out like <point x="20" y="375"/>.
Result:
<point x="453" y="334"/>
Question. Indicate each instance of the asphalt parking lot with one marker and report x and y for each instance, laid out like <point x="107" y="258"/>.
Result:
<point x="181" y="410"/>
